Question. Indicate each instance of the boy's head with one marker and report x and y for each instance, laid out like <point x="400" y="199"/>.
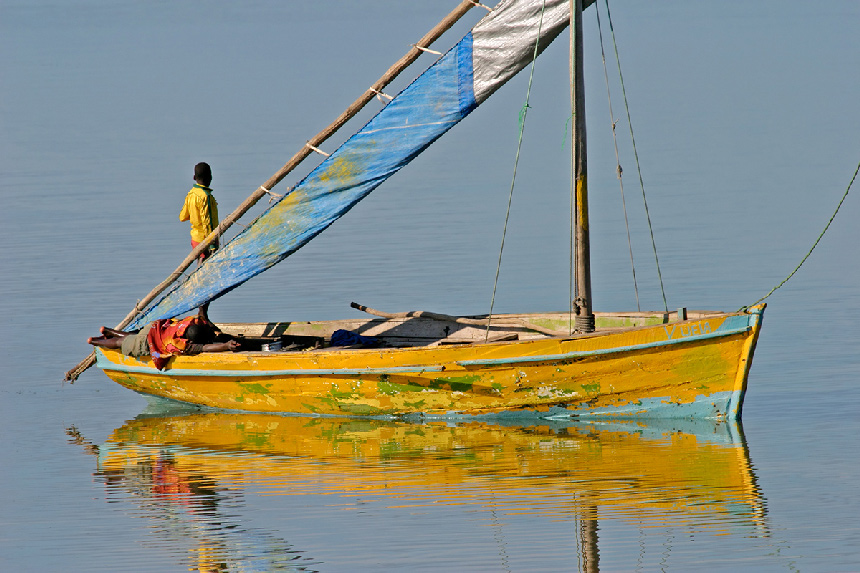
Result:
<point x="203" y="174"/>
<point x="199" y="333"/>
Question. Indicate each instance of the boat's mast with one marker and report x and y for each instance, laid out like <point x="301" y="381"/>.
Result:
<point x="582" y="258"/>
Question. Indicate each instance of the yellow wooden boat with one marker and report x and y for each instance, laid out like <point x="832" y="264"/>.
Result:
<point x="690" y="368"/>
<point x="193" y="470"/>
<point x="576" y="363"/>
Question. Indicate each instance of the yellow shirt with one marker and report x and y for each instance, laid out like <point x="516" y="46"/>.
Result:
<point x="201" y="209"/>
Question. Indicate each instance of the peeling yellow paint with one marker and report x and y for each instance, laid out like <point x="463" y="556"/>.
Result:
<point x="394" y="382"/>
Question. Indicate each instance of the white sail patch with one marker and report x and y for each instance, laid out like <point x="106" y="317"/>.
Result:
<point x="503" y="42"/>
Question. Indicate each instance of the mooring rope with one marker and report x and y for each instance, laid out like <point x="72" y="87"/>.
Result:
<point x="815" y="244"/>
<point x="522" y="122"/>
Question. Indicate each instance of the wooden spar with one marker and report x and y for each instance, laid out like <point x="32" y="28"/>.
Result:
<point x="457" y="319"/>
<point x="582" y="304"/>
<point x="443" y="26"/>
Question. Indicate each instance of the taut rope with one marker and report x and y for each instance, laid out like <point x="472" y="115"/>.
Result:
<point x="827" y="226"/>
<point x="636" y="156"/>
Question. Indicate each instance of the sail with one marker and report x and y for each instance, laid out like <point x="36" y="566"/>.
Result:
<point x="498" y="47"/>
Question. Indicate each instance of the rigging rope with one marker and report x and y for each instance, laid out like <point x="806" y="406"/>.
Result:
<point x="522" y="122"/>
<point x="797" y="268"/>
<point x="617" y="161"/>
<point x="636" y="155"/>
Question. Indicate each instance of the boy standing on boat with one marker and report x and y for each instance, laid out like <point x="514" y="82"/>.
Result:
<point x="201" y="209"/>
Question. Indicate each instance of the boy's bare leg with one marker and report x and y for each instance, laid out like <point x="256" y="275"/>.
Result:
<point x="105" y="342"/>
<point x="112" y="333"/>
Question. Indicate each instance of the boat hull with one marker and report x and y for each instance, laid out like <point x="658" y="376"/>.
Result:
<point x="695" y="368"/>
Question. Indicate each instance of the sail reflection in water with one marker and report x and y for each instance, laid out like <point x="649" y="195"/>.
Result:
<point x="192" y="472"/>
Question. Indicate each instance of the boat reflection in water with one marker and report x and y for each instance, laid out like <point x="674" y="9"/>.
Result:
<point x="194" y="473"/>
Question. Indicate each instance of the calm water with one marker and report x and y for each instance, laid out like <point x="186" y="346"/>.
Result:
<point x="746" y="121"/>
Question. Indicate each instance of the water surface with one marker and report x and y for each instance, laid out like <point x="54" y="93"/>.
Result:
<point x="746" y="124"/>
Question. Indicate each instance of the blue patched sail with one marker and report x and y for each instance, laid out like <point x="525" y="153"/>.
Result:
<point x="498" y="47"/>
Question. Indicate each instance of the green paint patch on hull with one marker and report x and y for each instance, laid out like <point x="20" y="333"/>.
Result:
<point x="454" y="384"/>
<point x="459" y="384"/>
<point x="359" y="409"/>
<point x="384" y="386"/>
<point x="591" y="388"/>
<point x="253" y="388"/>
<point x="338" y="395"/>
<point x="131" y="383"/>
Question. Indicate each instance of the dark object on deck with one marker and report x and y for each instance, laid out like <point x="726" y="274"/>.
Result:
<point x="348" y="338"/>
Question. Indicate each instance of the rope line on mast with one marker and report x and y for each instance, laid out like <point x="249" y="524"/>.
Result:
<point x="522" y="125"/>
<point x="636" y="156"/>
<point x="815" y="244"/>
<point x="617" y="160"/>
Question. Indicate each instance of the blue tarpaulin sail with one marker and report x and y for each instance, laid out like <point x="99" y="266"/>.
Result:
<point x="496" y="48"/>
